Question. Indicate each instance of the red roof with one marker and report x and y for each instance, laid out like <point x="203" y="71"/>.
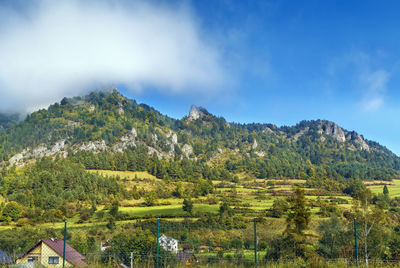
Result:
<point x="185" y="246"/>
<point x="71" y="255"/>
<point x="204" y="247"/>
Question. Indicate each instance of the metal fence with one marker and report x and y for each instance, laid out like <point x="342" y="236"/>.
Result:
<point x="148" y="243"/>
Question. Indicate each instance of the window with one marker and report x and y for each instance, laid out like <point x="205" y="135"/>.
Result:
<point x="53" y="260"/>
<point x="33" y="259"/>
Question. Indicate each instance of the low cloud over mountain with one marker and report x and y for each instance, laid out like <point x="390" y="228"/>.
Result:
<point x="51" y="49"/>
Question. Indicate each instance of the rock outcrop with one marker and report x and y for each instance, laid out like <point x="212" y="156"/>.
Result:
<point x="197" y="113"/>
<point x="333" y="130"/>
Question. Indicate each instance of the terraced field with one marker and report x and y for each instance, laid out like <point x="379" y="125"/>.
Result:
<point x="250" y="196"/>
<point x="393" y="187"/>
<point x="254" y="196"/>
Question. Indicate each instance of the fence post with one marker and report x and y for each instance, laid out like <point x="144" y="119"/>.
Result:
<point x="65" y="238"/>
<point x="158" y="235"/>
<point x="131" y="259"/>
<point x="355" y="239"/>
<point x="255" y="240"/>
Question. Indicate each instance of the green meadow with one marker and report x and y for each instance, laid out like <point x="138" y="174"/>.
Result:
<point x="254" y="196"/>
<point x="393" y="187"/>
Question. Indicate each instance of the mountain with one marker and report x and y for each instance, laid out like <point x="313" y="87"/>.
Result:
<point x="107" y="125"/>
<point x="8" y="120"/>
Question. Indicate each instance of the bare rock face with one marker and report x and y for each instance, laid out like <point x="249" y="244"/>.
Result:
<point x="152" y="151"/>
<point x="255" y="144"/>
<point x="333" y="130"/>
<point x="268" y="130"/>
<point x="125" y="142"/>
<point x="39" y="151"/>
<point x="358" y="140"/>
<point x="154" y="137"/>
<point x="187" y="150"/>
<point x="260" y="154"/>
<point x="95" y="146"/>
<point x="196" y="113"/>
<point x="15" y="159"/>
<point x="133" y="132"/>
<point x="174" y="138"/>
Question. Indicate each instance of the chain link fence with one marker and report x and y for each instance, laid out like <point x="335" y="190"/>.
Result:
<point x="152" y="243"/>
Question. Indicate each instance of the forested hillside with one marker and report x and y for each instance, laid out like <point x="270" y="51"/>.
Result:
<point x="7" y="120"/>
<point x="46" y="155"/>
<point x="108" y="122"/>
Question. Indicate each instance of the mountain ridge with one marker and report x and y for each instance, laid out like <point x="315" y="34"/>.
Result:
<point x="108" y="121"/>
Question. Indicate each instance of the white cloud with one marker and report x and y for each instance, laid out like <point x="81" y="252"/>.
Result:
<point x="64" y="48"/>
<point x="375" y="84"/>
<point x="372" y="103"/>
<point x="362" y="73"/>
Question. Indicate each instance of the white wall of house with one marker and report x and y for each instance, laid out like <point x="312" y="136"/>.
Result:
<point x="168" y="243"/>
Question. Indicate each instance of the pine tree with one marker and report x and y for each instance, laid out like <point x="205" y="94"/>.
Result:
<point x="385" y="190"/>
<point x="299" y="214"/>
<point x="188" y="206"/>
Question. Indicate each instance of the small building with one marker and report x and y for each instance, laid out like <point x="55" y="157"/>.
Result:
<point x="168" y="243"/>
<point x="203" y="249"/>
<point x="104" y="246"/>
<point x="187" y="258"/>
<point x="49" y="253"/>
<point x="186" y="247"/>
<point x="4" y="258"/>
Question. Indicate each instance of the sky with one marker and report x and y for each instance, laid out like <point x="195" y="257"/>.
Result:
<point x="261" y="61"/>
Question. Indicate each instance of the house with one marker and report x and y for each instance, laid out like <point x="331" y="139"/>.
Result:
<point x="49" y="253"/>
<point x="203" y="249"/>
<point x="4" y="258"/>
<point x="187" y="258"/>
<point x="168" y="243"/>
<point x="186" y="247"/>
<point x="104" y="246"/>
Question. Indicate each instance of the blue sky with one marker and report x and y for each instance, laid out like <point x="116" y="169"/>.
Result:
<point x="261" y="61"/>
<point x="300" y="60"/>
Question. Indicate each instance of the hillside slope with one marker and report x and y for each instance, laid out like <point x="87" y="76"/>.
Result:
<point x="107" y="123"/>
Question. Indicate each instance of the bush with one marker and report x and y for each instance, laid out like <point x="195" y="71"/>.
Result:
<point x="12" y="210"/>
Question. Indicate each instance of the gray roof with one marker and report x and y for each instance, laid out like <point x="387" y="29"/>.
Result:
<point x="4" y="258"/>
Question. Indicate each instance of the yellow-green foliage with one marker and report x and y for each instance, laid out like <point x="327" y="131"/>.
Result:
<point x="175" y="210"/>
<point x="140" y="179"/>
<point x="126" y="174"/>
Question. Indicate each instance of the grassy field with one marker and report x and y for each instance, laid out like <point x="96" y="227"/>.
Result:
<point x="173" y="210"/>
<point x="126" y="174"/>
<point x="394" y="188"/>
<point x="248" y="255"/>
<point x="140" y="179"/>
<point x="253" y="194"/>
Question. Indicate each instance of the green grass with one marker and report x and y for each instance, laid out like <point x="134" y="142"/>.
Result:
<point x="394" y="189"/>
<point x="130" y="179"/>
<point x="170" y="210"/>
<point x="248" y="254"/>
<point x="254" y="194"/>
